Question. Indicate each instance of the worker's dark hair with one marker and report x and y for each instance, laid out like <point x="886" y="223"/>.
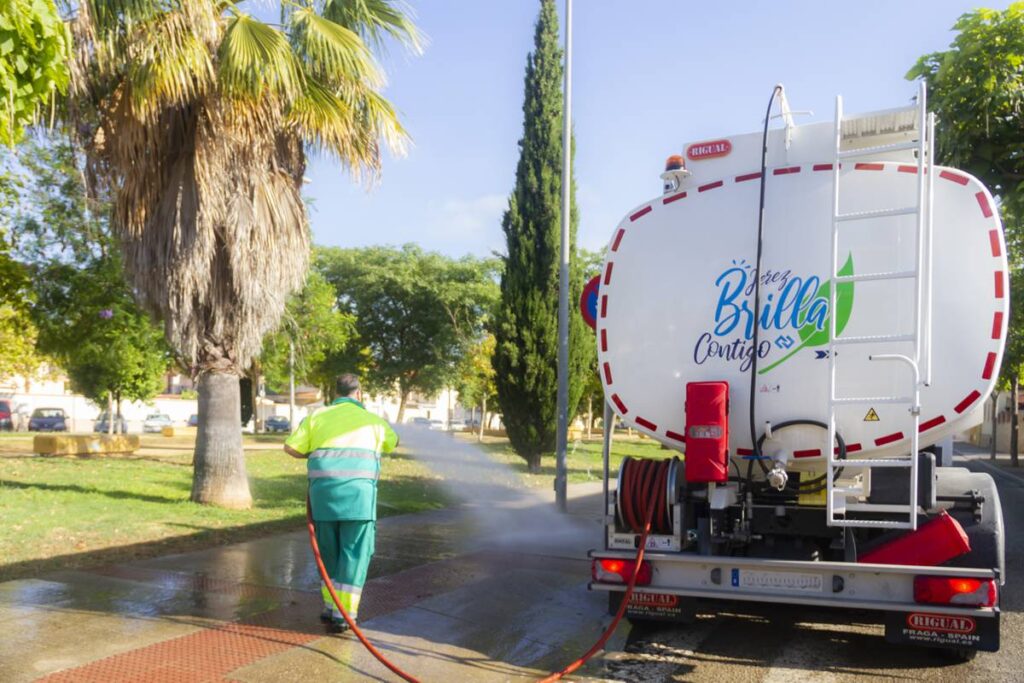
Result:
<point x="347" y="384"/>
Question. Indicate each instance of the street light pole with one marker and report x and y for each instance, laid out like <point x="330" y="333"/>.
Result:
<point x="563" y="275"/>
<point x="291" y="385"/>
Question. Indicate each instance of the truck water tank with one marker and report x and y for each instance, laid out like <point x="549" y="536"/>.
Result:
<point x="675" y="301"/>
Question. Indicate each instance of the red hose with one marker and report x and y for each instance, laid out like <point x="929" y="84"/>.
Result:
<point x="649" y="470"/>
<point x="337" y="602"/>
<point x="599" y="645"/>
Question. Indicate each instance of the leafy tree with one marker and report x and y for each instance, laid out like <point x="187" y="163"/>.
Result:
<point x="525" y="358"/>
<point x="198" y="117"/>
<point x="417" y="312"/>
<point x="976" y="89"/>
<point x="18" y="354"/>
<point x="81" y="306"/>
<point x="34" y="46"/>
<point x="475" y="381"/>
<point x="319" y="332"/>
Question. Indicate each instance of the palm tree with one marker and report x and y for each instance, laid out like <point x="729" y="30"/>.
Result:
<point x="198" y="117"/>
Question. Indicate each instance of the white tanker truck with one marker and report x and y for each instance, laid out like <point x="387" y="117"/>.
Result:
<point x="806" y="313"/>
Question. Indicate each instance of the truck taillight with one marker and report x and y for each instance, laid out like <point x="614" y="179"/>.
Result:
<point x="942" y="590"/>
<point x="621" y="571"/>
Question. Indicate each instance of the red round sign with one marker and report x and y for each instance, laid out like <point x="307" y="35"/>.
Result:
<point x="708" y="150"/>
<point x="588" y="301"/>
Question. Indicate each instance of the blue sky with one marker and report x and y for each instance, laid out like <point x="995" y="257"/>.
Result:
<point x="648" y="76"/>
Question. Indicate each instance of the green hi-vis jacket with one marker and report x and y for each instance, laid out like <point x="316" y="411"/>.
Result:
<point x="344" y="442"/>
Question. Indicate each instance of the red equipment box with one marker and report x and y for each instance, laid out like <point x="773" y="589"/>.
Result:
<point x="936" y="541"/>
<point x="707" y="432"/>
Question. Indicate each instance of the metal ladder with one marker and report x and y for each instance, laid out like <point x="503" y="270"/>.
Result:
<point x="902" y="122"/>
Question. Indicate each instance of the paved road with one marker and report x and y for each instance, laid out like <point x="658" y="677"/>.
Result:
<point x="790" y="644"/>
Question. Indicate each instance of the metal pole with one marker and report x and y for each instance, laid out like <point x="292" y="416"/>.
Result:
<point x="291" y="385"/>
<point x="606" y="449"/>
<point x="563" y="275"/>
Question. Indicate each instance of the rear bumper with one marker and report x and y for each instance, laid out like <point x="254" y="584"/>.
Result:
<point x="887" y="588"/>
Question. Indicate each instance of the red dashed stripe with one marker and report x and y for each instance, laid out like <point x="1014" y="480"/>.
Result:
<point x="906" y="169"/>
<point x="786" y="171"/>
<point x="607" y="373"/>
<point x="647" y="424"/>
<point x="868" y="167"/>
<point x="997" y="325"/>
<point x="618" y="239"/>
<point x="853" y="448"/>
<point x="888" y="438"/>
<point x="744" y="451"/>
<point x="934" y="422"/>
<point x="748" y="176"/>
<point x="822" y="167"/>
<point x="709" y="186"/>
<point x="810" y="453"/>
<point x="675" y="436"/>
<point x="608" y="273"/>
<point x="618" y="402"/>
<point x="966" y="403"/>
<point x="642" y="212"/>
<point x="604" y="305"/>
<point x="986" y="210"/>
<point x="675" y="197"/>
<point x="993" y="238"/>
<point x="999" y="284"/>
<point x="604" y="340"/>
<point x="956" y="178"/>
<point x="990" y="365"/>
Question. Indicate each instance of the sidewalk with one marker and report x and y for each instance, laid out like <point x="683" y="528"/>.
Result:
<point x="494" y="589"/>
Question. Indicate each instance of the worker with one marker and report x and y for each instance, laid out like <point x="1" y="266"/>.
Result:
<point x="342" y="444"/>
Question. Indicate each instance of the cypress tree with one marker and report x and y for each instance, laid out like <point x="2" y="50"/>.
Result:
<point x="526" y="354"/>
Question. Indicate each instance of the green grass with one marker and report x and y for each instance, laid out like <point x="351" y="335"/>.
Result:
<point x="64" y="512"/>
<point x="583" y="459"/>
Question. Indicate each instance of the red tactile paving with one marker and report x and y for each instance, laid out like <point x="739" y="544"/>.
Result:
<point x="213" y="653"/>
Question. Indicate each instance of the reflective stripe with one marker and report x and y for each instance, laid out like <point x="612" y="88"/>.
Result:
<point x="344" y="474"/>
<point x="345" y="453"/>
<point x="354" y="590"/>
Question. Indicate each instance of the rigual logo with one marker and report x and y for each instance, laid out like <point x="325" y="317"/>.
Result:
<point x="943" y="623"/>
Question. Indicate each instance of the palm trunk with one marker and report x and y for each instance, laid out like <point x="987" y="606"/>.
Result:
<point x="1013" y="421"/>
<point x="219" y="476"/>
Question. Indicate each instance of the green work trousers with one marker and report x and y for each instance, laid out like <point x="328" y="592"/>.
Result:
<point x="346" y="548"/>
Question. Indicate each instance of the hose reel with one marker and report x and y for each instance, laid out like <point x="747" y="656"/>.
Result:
<point x="642" y="481"/>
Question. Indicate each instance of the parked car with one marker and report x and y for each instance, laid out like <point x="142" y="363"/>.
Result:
<point x="102" y="425"/>
<point x="457" y="426"/>
<point x="277" y="423"/>
<point x="420" y="421"/>
<point x="48" y="420"/>
<point x="193" y="420"/>
<point x="156" y="422"/>
<point x="6" y="416"/>
<point x="436" y="425"/>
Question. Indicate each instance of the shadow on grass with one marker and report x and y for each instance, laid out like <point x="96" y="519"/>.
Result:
<point x="74" y="488"/>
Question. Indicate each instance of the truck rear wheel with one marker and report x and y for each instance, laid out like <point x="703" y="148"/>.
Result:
<point x="985" y="531"/>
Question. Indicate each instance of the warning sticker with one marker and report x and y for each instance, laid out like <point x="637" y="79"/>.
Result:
<point x="872" y="416"/>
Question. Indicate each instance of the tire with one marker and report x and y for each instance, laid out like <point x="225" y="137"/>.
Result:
<point x="957" y="655"/>
<point x="987" y="536"/>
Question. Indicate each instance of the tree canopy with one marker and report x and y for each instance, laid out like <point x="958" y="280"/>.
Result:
<point x="417" y="312"/>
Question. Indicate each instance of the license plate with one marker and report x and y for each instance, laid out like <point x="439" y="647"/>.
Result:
<point x="783" y="582"/>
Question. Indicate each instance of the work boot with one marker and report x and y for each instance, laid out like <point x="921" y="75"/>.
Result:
<point x="338" y="626"/>
<point x="326" y="616"/>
